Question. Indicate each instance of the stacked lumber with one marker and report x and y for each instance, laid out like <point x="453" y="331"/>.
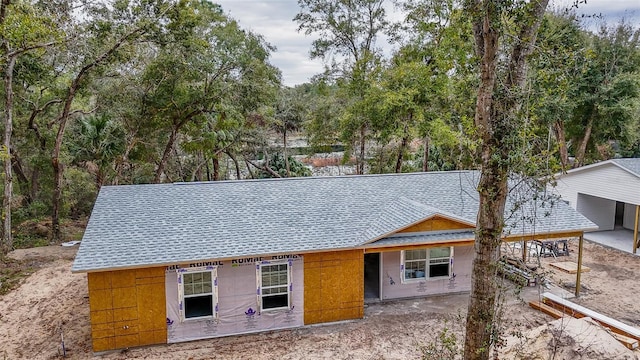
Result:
<point x="517" y="272"/>
<point x="558" y="307"/>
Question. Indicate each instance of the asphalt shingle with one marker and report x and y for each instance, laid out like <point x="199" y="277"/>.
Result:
<point x="161" y="224"/>
<point x="631" y="164"/>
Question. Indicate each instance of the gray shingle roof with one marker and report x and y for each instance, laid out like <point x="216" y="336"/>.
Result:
<point x="160" y="224"/>
<point x="630" y="164"/>
<point x="424" y="238"/>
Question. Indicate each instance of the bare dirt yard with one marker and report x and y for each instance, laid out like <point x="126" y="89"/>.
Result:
<point x="51" y="302"/>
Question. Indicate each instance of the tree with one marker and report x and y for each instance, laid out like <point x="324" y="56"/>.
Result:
<point x="23" y="29"/>
<point x="347" y="28"/>
<point x="207" y="69"/>
<point x="607" y="87"/>
<point x="289" y="114"/>
<point x="107" y="40"/>
<point x="502" y="58"/>
<point x="585" y="88"/>
<point x="97" y="141"/>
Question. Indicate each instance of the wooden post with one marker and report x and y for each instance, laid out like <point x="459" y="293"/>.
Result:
<point x="524" y="251"/>
<point x="635" y="230"/>
<point x="580" y="246"/>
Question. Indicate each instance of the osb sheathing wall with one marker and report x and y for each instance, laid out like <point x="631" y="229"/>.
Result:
<point x="333" y="286"/>
<point x="128" y="308"/>
<point x="436" y="224"/>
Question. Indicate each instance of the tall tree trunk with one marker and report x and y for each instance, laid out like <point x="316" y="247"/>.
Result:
<point x="495" y="121"/>
<point x="216" y="167"/>
<point x="18" y="169"/>
<point x="286" y="156"/>
<point x="7" y="237"/>
<point x="403" y="146"/>
<point x="165" y="155"/>
<point x="559" y="133"/>
<point x="171" y="142"/>
<point x="35" y="183"/>
<point x="124" y="160"/>
<point x="425" y="162"/>
<point x="235" y="164"/>
<point x="582" y="148"/>
<point x="360" y="165"/>
<point x="62" y="124"/>
<point x="58" y="168"/>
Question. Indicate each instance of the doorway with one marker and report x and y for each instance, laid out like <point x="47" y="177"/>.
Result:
<point x="372" y="276"/>
<point x="619" y="217"/>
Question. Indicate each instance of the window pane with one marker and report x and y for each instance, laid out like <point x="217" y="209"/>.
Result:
<point x="439" y="261"/>
<point x="187" y="278"/>
<point x="188" y="289"/>
<point x="206" y="276"/>
<point x="439" y="252"/>
<point x="275" y="281"/>
<point x="197" y="288"/>
<point x="275" y="301"/>
<point x="414" y="269"/>
<point x="437" y="270"/>
<point x="197" y="277"/>
<point x="198" y="306"/>
<point x="206" y="287"/>
<point x="415" y="254"/>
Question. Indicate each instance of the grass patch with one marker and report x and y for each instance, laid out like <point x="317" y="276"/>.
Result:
<point x="12" y="272"/>
<point x="25" y="241"/>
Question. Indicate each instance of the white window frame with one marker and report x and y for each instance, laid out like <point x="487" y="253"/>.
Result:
<point x="259" y="291"/>
<point x="214" y="292"/>
<point x="428" y="260"/>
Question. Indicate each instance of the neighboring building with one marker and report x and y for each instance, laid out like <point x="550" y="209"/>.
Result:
<point x="607" y="193"/>
<point x="178" y="262"/>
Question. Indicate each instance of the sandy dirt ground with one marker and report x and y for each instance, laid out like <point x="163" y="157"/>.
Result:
<point x="53" y="302"/>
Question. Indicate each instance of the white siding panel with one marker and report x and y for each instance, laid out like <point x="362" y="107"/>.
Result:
<point x="629" y="216"/>
<point x="600" y="211"/>
<point x="607" y="181"/>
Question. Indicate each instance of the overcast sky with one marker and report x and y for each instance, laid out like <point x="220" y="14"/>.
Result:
<point x="273" y="19"/>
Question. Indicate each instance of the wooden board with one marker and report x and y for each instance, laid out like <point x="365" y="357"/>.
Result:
<point x="569" y="267"/>
<point x="547" y="309"/>
<point x="579" y="311"/>
<point x="628" y="342"/>
<point x="333" y="286"/>
<point x="127" y="308"/>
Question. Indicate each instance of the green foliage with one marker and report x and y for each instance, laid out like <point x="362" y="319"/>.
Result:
<point x="445" y="345"/>
<point x="96" y="142"/>
<point x="277" y="164"/>
<point x="80" y="193"/>
<point x="12" y="272"/>
<point x="585" y="85"/>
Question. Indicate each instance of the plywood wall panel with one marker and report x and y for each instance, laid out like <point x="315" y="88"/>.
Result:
<point x="437" y="224"/>
<point x="124" y="297"/>
<point x="100" y="300"/>
<point x="103" y="344"/>
<point x="125" y="304"/>
<point x="333" y="286"/>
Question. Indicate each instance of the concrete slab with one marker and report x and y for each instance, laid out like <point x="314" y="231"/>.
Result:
<point x="620" y="238"/>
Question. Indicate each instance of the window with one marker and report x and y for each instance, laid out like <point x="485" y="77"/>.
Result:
<point x="422" y="264"/>
<point x="197" y="293"/>
<point x="274" y="286"/>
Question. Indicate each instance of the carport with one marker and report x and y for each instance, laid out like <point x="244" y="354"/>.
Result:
<point x="607" y="193"/>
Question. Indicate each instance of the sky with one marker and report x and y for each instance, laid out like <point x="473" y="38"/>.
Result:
<point x="273" y="19"/>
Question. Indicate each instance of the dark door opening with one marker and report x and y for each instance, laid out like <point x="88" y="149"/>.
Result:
<point x="372" y="276"/>
<point x="619" y="214"/>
